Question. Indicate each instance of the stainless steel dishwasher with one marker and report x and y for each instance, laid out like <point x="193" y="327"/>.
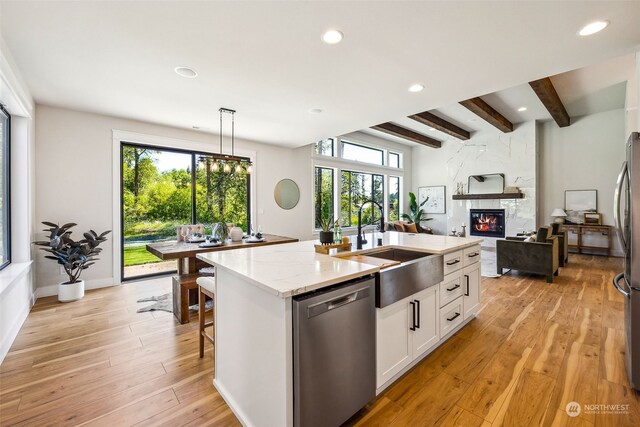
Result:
<point x="334" y="353"/>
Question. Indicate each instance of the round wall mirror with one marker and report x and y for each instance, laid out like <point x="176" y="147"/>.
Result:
<point x="287" y="194"/>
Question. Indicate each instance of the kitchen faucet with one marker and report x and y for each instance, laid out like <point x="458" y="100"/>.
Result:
<point x="361" y="239"/>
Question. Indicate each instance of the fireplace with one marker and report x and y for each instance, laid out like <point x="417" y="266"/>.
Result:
<point x="487" y="222"/>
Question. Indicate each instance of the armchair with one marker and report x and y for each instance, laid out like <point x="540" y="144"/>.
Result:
<point x="537" y="257"/>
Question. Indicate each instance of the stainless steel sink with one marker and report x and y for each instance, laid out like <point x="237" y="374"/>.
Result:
<point x="417" y="271"/>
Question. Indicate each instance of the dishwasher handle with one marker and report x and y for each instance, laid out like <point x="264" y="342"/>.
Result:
<point x="337" y="302"/>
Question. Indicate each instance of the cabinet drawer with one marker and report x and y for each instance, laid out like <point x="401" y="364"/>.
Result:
<point x="471" y="255"/>
<point x="452" y="262"/>
<point x="450" y="288"/>
<point x="451" y="315"/>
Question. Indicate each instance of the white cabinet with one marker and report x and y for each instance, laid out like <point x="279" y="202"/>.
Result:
<point x="450" y="288"/>
<point x="451" y="315"/>
<point x="471" y="285"/>
<point x="425" y="334"/>
<point x="404" y="331"/>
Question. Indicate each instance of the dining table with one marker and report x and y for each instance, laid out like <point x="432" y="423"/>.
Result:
<point x="184" y="284"/>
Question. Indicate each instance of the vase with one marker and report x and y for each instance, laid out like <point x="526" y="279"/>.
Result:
<point x="236" y="234"/>
<point x="326" y="237"/>
<point x="68" y="292"/>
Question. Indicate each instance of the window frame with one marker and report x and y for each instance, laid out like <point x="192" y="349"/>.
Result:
<point x="344" y="142"/>
<point x="193" y="154"/>
<point x="338" y="164"/>
<point x="6" y="160"/>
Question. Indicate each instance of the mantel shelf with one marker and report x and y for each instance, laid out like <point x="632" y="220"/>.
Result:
<point x="488" y="196"/>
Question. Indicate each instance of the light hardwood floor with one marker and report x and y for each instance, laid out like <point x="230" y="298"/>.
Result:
<point x="533" y="348"/>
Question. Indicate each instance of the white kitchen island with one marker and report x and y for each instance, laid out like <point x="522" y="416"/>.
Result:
<point x="253" y="315"/>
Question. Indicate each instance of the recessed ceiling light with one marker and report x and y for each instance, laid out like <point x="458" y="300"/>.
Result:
<point x="593" y="28"/>
<point x="332" y="37"/>
<point x="315" y="111"/>
<point x="522" y="109"/>
<point x="416" y="87"/>
<point x="432" y="129"/>
<point x="471" y="120"/>
<point x="187" y="72"/>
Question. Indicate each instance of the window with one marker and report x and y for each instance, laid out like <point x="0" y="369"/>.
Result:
<point x="5" y="185"/>
<point x="394" y="198"/>
<point x="323" y="194"/>
<point x="351" y="151"/>
<point x="358" y="187"/>
<point x="325" y="148"/>
<point x="162" y="188"/>
<point x="394" y="160"/>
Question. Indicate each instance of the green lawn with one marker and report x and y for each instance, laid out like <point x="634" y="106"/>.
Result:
<point x="138" y="255"/>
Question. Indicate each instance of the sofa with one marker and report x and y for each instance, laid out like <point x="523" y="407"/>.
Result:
<point x="539" y="256"/>
<point x="563" y="243"/>
<point x="406" y="227"/>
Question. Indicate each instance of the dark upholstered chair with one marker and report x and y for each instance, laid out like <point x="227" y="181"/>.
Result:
<point x="537" y="257"/>
<point x="563" y="243"/>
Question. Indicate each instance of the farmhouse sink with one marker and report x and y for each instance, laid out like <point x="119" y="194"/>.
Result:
<point x="404" y="273"/>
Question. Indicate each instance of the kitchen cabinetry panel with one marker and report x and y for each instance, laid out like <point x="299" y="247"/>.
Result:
<point x="471" y="284"/>
<point x="392" y="340"/>
<point x="452" y="262"/>
<point x="451" y="315"/>
<point x="471" y="255"/>
<point x="450" y="288"/>
<point x="426" y="331"/>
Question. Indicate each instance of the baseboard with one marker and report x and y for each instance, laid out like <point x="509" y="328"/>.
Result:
<point x="47" y="291"/>
<point x="13" y="333"/>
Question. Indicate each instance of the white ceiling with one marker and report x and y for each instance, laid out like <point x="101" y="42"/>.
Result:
<point x="265" y="59"/>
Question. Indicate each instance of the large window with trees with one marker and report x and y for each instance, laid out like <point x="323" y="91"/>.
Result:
<point x="5" y="185"/>
<point x="163" y="188"/>
<point x="358" y="187"/>
<point x="323" y="194"/>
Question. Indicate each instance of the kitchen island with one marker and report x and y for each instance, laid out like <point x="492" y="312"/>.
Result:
<point x="254" y="294"/>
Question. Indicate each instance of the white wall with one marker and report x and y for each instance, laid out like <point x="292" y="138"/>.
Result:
<point x="586" y="155"/>
<point x="16" y="280"/>
<point x="75" y="181"/>
<point x="489" y="151"/>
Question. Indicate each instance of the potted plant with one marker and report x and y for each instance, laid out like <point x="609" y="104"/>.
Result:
<point x="326" y="235"/>
<point x="73" y="256"/>
<point x="416" y="212"/>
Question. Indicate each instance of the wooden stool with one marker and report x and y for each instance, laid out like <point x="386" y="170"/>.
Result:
<point x="182" y="297"/>
<point x="206" y="289"/>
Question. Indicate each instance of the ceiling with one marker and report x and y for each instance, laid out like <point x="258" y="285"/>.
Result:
<point x="266" y="60"/>
<point x="589" y="90"/>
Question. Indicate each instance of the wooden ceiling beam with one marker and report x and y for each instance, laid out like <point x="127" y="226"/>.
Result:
<point x="404" y="133"/>
<point x="429" y="119"/>
<point x="551" y="101"/>
<point x="488" y="114"/>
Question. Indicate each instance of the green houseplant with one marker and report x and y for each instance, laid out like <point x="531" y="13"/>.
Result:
<point x="416" y="212"/>
<point x="73" y="256"/>
<point x="326" y="235"/>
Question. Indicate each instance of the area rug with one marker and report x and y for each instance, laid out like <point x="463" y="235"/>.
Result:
<point x="488" y="266"/>
<point x="165" y="303"/>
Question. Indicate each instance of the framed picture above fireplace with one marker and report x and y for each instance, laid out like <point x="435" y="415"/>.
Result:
<point x="436" y="202"/>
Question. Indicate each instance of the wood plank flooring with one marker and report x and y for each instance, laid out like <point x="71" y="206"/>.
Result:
<point x="533" y="348"/>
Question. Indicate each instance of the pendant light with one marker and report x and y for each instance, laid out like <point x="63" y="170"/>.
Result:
<point x="225" y="162"/>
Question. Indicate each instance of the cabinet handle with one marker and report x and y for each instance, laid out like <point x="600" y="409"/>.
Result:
<point x="450" y="319"/>
<point x="413" y="312"/>
<point x="454" y="262"/>
<point x="454" y="288"/>
<point x="475" y="254"/>
<point x="466" y="293"/>
<point x="418" y="309"/>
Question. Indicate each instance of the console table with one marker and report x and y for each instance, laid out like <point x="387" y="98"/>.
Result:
<point x="581" y="229"/>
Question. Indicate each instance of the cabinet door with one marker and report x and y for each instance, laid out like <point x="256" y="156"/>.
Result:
<point x="426" y="322"/>
<point x="393" y="346"/>
<point x="471" y="285"/>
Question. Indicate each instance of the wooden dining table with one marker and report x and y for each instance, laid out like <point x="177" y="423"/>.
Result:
<point x="188" y="265"/>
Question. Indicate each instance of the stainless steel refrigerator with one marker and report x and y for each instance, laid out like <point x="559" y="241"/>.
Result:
<point x="626" y="213"/>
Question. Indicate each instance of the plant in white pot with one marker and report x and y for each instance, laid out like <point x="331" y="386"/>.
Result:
<point x="73" y="256"/>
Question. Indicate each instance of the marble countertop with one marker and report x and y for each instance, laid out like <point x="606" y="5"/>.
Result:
<point x="295" y="268"/>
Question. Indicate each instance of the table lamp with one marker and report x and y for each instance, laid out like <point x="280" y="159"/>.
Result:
<point x="559" y="215"/>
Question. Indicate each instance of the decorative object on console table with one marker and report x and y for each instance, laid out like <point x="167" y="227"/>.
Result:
<point x="73" y="256"/>
<point x="592" y="218"/>
<point x="559" y="215"/>
<point x="433" y="198"/>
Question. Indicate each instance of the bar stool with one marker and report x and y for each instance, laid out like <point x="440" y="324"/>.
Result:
<point x="206" y="286"/>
